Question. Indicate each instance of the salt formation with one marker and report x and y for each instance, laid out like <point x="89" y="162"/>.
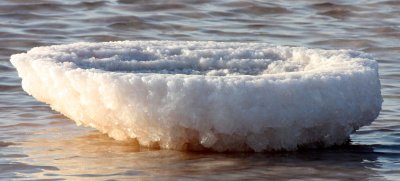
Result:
<point x="207" y="95"/>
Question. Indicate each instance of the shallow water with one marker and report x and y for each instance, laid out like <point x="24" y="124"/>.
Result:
<point x="38" y="143"/>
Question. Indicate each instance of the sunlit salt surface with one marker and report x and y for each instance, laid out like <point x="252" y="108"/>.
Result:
<point x="207" y="95"/>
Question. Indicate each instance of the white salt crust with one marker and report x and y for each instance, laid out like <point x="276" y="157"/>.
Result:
<point x="207" y="95"/>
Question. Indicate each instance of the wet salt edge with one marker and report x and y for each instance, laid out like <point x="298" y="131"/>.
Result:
<point x="207" y="95"/>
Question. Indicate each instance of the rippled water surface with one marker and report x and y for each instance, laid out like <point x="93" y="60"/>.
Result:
<point x="36" y="142"/>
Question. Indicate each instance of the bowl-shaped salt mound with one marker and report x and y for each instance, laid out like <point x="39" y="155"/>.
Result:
<point x="207" y="95"/>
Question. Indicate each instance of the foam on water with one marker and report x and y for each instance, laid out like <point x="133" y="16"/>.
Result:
<point x="207" y="95"/>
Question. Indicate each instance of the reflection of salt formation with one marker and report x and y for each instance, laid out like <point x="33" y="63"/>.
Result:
<point x="197" y="95"/>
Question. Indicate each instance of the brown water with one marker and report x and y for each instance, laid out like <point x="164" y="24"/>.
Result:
<point x="38" y="143"/>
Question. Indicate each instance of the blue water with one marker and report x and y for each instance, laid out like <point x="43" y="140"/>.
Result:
<point x="38" y="143"/>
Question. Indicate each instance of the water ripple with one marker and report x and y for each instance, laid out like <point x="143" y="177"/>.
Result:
<point x="39" y="143"/>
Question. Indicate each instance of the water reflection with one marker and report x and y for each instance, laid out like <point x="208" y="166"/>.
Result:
<point x="59" y="154"/>
<point x="36" y="142"/>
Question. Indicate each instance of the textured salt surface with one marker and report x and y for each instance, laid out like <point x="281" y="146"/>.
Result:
<point x="207" y="95"/>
